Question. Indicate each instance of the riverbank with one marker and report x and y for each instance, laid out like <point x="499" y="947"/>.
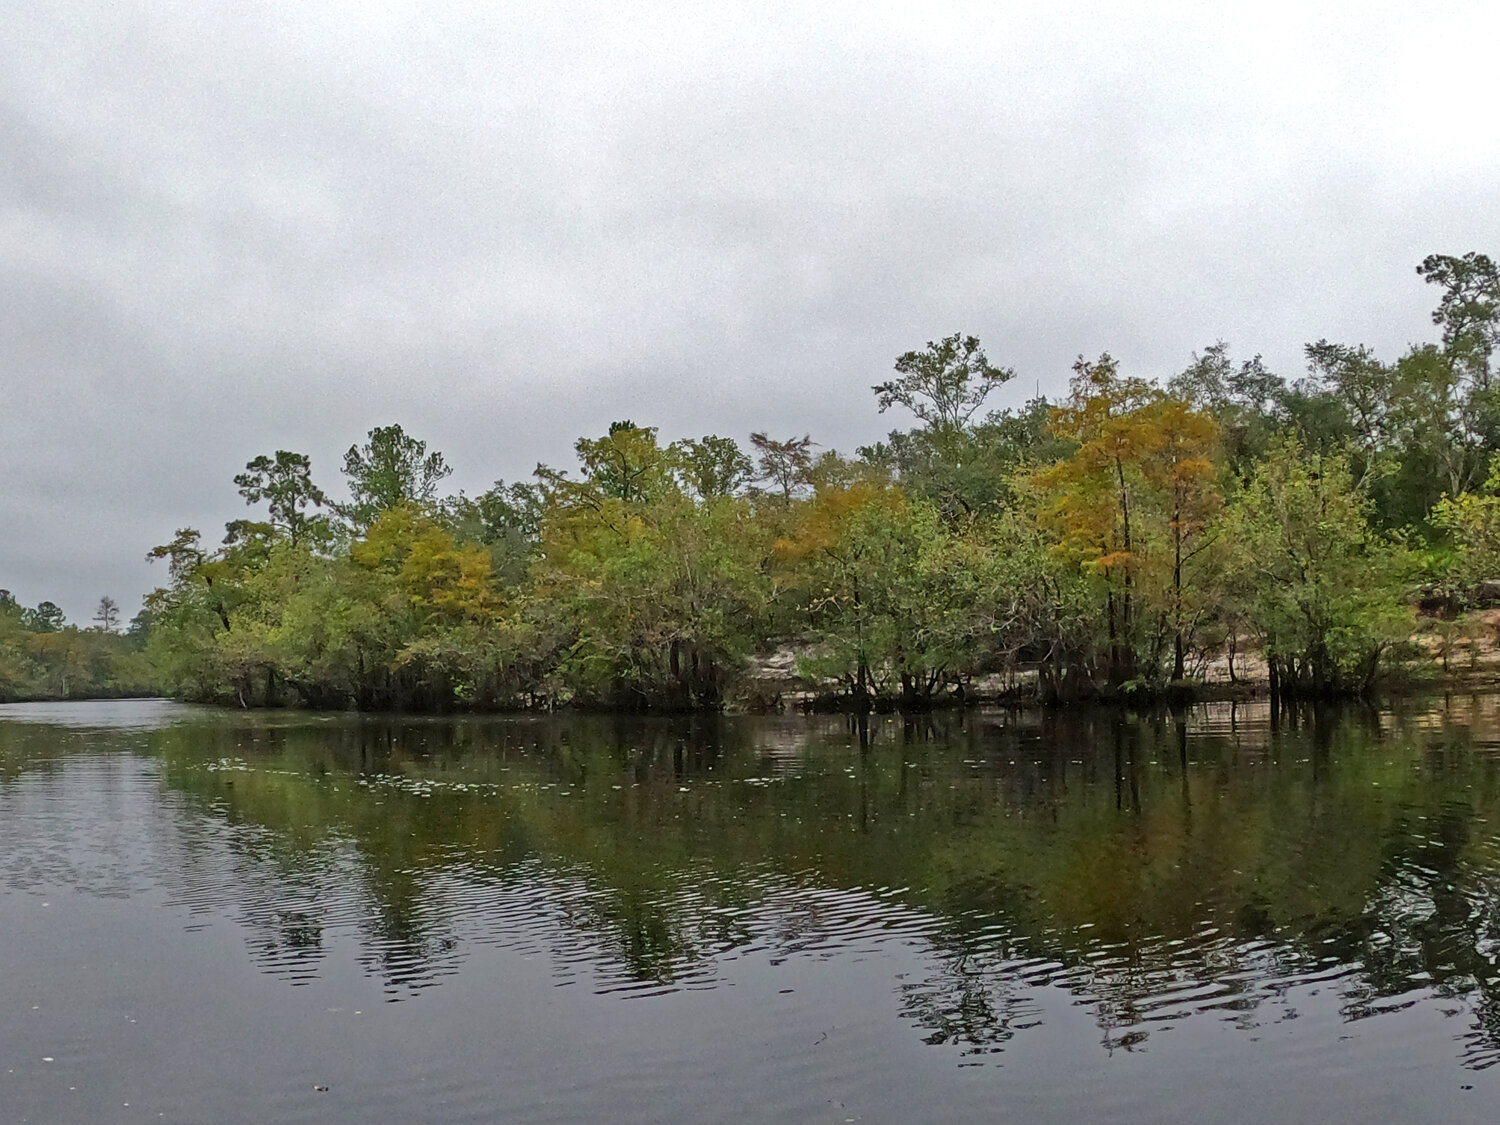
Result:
<point x="1443" y="656"/>
<point x="87" y="697"/>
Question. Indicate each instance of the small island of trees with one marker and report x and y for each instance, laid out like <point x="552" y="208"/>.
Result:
<point x="1315" y="538"/>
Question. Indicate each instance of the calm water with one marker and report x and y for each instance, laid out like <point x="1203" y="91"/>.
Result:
<point x="215" y="917"/>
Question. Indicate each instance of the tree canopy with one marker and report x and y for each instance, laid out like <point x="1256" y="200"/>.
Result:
<point x="1138" y="536"/>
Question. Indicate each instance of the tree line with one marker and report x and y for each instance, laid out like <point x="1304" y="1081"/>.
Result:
<point x="43" y="656"/>
<point x="1120" y="542"/>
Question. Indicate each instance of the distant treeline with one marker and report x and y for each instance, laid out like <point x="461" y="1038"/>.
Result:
<point x="1116" y="543"/>
<point x="44" y="657"/>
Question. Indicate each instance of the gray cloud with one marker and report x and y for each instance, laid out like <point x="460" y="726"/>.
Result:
<point x="226" y="229"/>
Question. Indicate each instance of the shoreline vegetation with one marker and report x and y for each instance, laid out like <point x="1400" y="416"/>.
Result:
<point x="1225" y="532"/>
<point x="762" y="690"/>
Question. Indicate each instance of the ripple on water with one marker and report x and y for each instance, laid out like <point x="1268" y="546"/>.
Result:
<point x="971" y="977"/>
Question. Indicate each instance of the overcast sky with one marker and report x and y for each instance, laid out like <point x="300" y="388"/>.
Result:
<point x="232" y="227"/>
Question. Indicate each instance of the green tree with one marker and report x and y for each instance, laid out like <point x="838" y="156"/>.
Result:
<point x="390" y="469"/>
<point x="1469" y="312"/>
<point x="107" y="615"/>
<point x="659" y="600"/>
<point x="1472" y="520"/>
<point x="784" y="464"/>
<point x="945" y="384"/>
<point x="712" y="466"/>
<point x="45" y="618"/>
<point x="968" y="471"/>
<point x="285" y="483"/>
<point x="506" y="519"/>
<point x="889" y="592"/>
<point x="626" y="464"/>
<point x="1327" y="592"/>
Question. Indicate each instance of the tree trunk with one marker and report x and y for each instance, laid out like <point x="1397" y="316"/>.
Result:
<point x="1127" y="645"/>
<point x="1114" y="639"/>
<point x="1179" y="668"/>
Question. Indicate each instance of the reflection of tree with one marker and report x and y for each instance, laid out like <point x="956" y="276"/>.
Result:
<point x="1426" y="927"/>
<point x="975" y="1000"/>
<point x="285" y="940"/>
<point x="1152" y="874"/>
<point x="27" y="748"/>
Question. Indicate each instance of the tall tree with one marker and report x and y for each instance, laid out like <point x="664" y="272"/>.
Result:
<point x="1326" y="590"/>
<point x="390" y="469"/>
<point x="1095" y="492"/>
<point x="45" y="618"/>
<point x="1183" y="471"/>
<point x="970" y="471"/>
<point x="785" y="464"/>
<point x="1469" y="312"/>
<point x="1244" y="399"/>
<point x="1371" y="391"/>
<point x="107" y="615"/>
<point x="285" y="483"/>
<point x="184" y="554"/>
<point x="625" y="464"/>
<point x="712" y="466"/>
<point x="944" y="384"/>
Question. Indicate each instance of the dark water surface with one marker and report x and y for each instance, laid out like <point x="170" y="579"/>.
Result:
<point x="209" y="916"/>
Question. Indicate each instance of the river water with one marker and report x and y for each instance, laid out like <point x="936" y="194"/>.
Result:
<point x="211" y="916"/>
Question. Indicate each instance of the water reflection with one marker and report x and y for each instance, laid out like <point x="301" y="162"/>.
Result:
<point x="1212" y="866"/>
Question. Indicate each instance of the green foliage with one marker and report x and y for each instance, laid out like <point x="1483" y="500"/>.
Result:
<point x="389" y="470"/>
<point x="1326" y="592"/>
<point x="712" y="467"/>
<point x="945" y="384"/>
<point x="1472" y="521"/>
<point x="864" y="557"/>
<point x="506" y="520"/>
<point x="1119" y="542"/>
<point x="45" y="618"/>
<point x="785" y="464"/>
<point x="657" y="596"/>
<point x="285" y="484"/>
<point x="969" y="471"/>
<point x="626" y="465"/>
<point x="43" y="657"/>
<point x="1469" y="312"/>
